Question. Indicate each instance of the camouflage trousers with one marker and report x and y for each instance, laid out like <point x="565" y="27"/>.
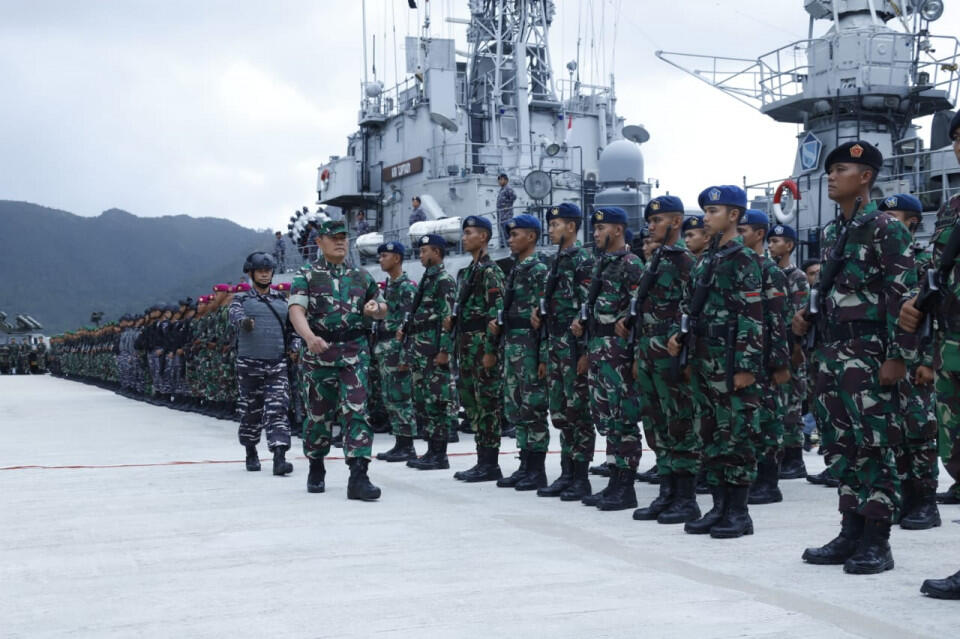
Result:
<point x="614" y="406"/>
<point x="865" y="427"/>
<point x="398" y="400"/>
<point x="480" y="389"/>
<point x="666" y="410"/>
<point x="263" y="402"/>
<point x="770" y="413"/>
<point x="336" y="395"/>
<point x="524" y="393"/>
<point x="569" y="398"/>
<point x="948" y="405"/>
<point x="432" y="397"/>
<point x="727" y="421"/>
<point x="376" y="409"/>
<point x="917" y="456"/>
<point x="792" y="395"/>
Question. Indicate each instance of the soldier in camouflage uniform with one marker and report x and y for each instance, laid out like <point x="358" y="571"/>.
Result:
<point x="775" y="372"/>
<point x="947" y="357"/>
<point x="695" y="236"/>
<point x="524" y="355"/>
<point x="780" y="243"/>
<point x="665" y="406"/>
<point x="613" y="403"/>
<point x="394" y="374"/>
<point x="861" y="355"/>
<point x="426" y="351"/>
<point x="725" y="350"/>
<point x="505" y="199"/>
<point x="569" y="398"/>
<point x="917" y="457"/>
<point x="479" y="298"/>
<point x="328" y="300"/>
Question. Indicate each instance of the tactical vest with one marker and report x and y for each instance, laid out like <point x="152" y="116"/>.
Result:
<point x="265" y="341"/>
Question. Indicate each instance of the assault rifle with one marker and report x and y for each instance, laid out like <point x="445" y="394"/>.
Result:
<point x="690" y="319"/>
<point x="549" y="290"/>
<point x="643" y="292"/>
<point x="408" y="315"/>
<point x="596" y="283"/>
<point x="508" y="296"/>
<point x="931" y="286"/>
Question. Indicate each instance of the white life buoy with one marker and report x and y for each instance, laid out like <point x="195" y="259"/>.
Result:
<point x="789" y="216"/>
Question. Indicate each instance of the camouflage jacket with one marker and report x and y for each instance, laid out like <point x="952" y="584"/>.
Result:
<point x="776" y="351"/>
<point x="525" y="288"/>
<point x="483" y="301"/>
<point x="735" y="298"/>
<point x="878" y="274"/>
<point x="573" y="283"/>
<point x="333" y="296"/>
<point x="923" y="258"/>
<point x="798" y="290"/>
<point x="661" y="309"/>
<point x="427" y="337"/>
<point x="620" y="273"/>
<point x="946" y="218"/>
<point x="398" y="294"/>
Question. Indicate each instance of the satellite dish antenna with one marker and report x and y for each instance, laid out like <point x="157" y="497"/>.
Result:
<point x="538" y="184"/>
<point x="636" y="133"/>
<point x="445" y="123"/>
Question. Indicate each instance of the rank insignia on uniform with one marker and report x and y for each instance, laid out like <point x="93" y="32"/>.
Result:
<point x="714" y="194"/>
<point x="890" y="202"/>
<point x="856" y="151"/>
<point x="655" y="205"/>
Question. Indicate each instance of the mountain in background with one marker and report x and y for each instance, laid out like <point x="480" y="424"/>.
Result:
<point x="59" y="267"/>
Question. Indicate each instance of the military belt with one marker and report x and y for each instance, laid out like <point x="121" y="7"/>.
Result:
<point x="603" y="330"/>
<point x="475" y="325"/>
<point x="713" y="331"/>
<point x="655" y="329"/>
<point x="348" y="335"/>
<point x="559" y="327"/>
<point x="513" y="322"/>
<point x="423" y="327"/>
<point x="842" y="331"/>
<point x="385" y="333"/>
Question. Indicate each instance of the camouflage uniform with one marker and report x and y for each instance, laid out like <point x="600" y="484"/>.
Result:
<point x="857" y="332"/>
<point x="794" y="391"/>
<point x="396" y="388"/>
<point x="727" y="419"/>
<point x="480" y="388"/>
<point x="666" y="406"/>
<point x="335" y="382"/>
<point x="524" y="393"/>
<point x="569" y="397"/>
<point x="431" y="382"/>
<point x="948" y="352"/>
<point x="776" y="354"/>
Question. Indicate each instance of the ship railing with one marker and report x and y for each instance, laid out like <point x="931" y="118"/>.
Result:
<point x="580" y="97"/>
<point x="460" y="159"/>
<point x="401" y="97"/>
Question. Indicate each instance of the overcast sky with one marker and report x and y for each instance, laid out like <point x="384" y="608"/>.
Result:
<point x="226" y="107"/>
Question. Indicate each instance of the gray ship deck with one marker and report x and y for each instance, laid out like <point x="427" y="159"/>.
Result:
<point x="106" y="533"/>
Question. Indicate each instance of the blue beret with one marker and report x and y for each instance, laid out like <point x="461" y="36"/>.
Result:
<point x="723" y="195"/>
<point x="663" y="204"/>
<point x="477" y="222"/>
<point x="610" y="215"/>
<point x="522" y="221"/>
<point x="782" y="230"/>
<point x="856" y="152"/>
<point x="693" y="222"/>
<point x="902" y="202"/>
<point x="753" y="217"/>
<point x="432" y="240"/>
<point x="954" y="123"/>
<point x="567" y="210"/>
<point x="392" y="247"/>
<point x="628" y="236"/>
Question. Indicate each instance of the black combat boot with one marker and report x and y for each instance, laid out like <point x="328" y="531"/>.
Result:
<point x="462" y="474"/>
<point x="579" y="484"/>
<point x="536" y="477"/>
<point x="316" y="475"/>
<point x="793" y="466"/>
<point x="873" y="554"/>
<point x="425" y="461"/>
<point x="562" y="482"/>
<point x="684" y="506"/>
<point x="487" y="468"/>
<point x="518" y="474"/>
<point x="624" y="495"/>
<point x="359" y="486"/>
<point x="280" y="465"/>
<point x="509" y="430"/>
<point x="602" y="469"/>
<point x="253" y="459"/>
<point x="661" y="503"/>
<point x="403" y="450"/>
<point x="703" y="525"/>
<point x="438" y="460"/>
<point x="701" y="484"/>
<point x="596" y="498"/>
<point x="951" y="496"/>
<point x="337" y="440"/>
<point x="948" y="588"/>
<point x="736" y="520"/>
<point x="453" y="436"/>
<point x="766" y="489"/>
<point x="650" y="476"/>
<point x="924" y="513"/>
<point x="841" y="547"/>
<point x="465" y="427"/>
<point x="820" y="479"/>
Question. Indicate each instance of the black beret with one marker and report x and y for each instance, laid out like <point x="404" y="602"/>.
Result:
<point x="856" y="152"/>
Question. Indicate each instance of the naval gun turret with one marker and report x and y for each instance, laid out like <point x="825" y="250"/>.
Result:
<point x="875" y="70"/>
<point x="621" y="177"/>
